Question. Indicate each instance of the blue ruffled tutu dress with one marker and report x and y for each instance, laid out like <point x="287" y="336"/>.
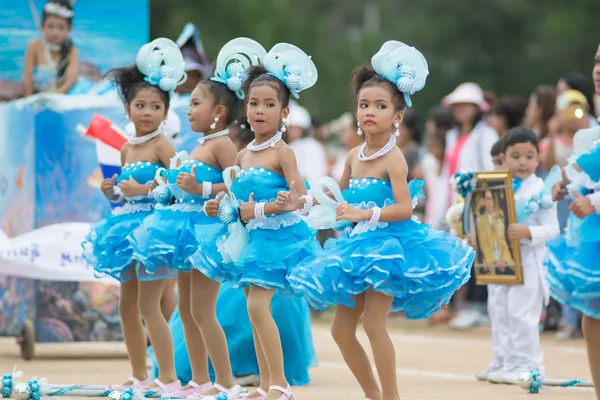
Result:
<point x="170" y="235"/>
<point x="420" y="267"/>
<point x="573" y="267"/>
<point x="275" y="245"/>
<point x="296" y="339"/>
<point x="107" y="248"/>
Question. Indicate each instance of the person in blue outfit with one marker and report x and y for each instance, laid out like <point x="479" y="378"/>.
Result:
<point x="384" y="260"/>
<point x="296" y="339"/>
<point x="265" y="242"/>
<point x="145" y="90"/>
<point x="171" y="235"/>
<point x="573" y="268"/>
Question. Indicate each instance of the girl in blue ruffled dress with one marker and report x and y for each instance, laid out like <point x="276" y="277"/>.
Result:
<point x="171" y="235"/>
<point x="145" y="90"/>
<point x="259" y="255"/>
<point x="384" y="259"/>
<point x="573" y="268"/>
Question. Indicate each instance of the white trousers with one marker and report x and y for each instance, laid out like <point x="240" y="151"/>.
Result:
<point x="515" y="312"/>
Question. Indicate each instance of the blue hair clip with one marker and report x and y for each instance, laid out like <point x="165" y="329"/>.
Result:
<point x="291" y="66"/>
<point x="402" y="65"/>
<point x="162" y="63"/>
<point x="233" y="61"/>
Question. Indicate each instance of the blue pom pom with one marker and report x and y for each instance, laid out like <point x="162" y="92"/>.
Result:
<point x="7" y="386"/>
<point x="127" y="394"/>
<point x="546" y="201"/>
<point x="533" y="206"/>
<point x="222" y="396"/>
<point x="34" y="389"/>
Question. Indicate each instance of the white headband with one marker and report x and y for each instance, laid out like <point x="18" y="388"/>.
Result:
<point x="58" y="10"/>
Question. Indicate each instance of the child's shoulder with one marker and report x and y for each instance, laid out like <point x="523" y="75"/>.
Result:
<point x="395" y="158"/>
<point x="34" y="46"/>
<point x="35" y="43"/>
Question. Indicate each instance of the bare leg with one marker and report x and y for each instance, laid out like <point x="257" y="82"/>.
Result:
<point x="193" y="338"/>
<point x="377" y="306"/>
<point x="204" y="310"/>
<point x="158" y="328"/>
<point x="591" y="332"/>
<point x="133" y="330"/>
<point x="259" y="309"/>
<point x="343" y="330"/>
<point x="168" y="301"/>
<point x="263" y="367"/>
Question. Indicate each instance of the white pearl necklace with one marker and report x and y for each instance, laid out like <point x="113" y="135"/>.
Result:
<point x="203" y="139"/>
<point x="381" y="152"/>
<point x="269" y="143"/>
<point x="145" y="138"/>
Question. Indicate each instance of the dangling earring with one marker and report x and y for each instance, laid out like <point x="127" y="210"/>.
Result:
<point x="358" y="130"/>
<point x="397" y="130"/>
<point x="251" y="128"/>
<point x="283" y="128"/>
<point x="126" y="116"/>
<point x="214" y="124"/>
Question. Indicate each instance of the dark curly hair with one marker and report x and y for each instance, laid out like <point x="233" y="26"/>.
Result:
<point x="225" y="97"/>
<point x="257" y="75"/>
<point x="130" y="81"/>
<point x="365" y="76"/>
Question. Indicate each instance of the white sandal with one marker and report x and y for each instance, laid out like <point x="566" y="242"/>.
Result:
<point x="286" y="393"/>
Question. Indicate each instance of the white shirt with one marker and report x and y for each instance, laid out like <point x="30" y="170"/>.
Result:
<point x="543" y="226"/>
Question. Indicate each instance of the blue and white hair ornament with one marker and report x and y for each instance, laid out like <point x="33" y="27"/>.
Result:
<point x="233" y="61"/>
<point x="402" y="65"/>
<point x="292" y="66"/>
<point x="162" y="63"/>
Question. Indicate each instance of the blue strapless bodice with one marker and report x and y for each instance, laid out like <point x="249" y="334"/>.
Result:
<point x="264" y="183"/>
<point x="378" y="191"/>
<point x="204" y="173"/>
<point x="143" y="172"/>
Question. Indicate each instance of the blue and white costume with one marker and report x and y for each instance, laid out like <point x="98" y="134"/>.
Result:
<point x="573" y="268"/>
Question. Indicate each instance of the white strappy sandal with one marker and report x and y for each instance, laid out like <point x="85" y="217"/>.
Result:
<point x="286" y="393"/>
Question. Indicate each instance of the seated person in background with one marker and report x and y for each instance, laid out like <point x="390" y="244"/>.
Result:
<point x="52" y="62"/>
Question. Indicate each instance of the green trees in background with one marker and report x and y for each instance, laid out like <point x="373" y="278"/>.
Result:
<point x="508" y="46"/>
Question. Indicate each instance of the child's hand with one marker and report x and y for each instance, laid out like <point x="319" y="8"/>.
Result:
<point x="469" y="239"/>
<point x="188" y="182"/>
<point x="345" y="212"/>
<point x="288" y="201"/>
<point x="131" y="188"/>
<point x="108" y="187"/>
<point x="211" y="207"/>
<point x="582" y="206"/>
<point x="247" y="209"/>
<point x="559" y="189"/>
<point x="518" y="232"/>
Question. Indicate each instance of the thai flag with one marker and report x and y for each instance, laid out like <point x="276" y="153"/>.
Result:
<point x="109" y="140"/>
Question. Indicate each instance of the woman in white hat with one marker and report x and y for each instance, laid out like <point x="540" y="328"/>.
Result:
<point x="468" y="147"/>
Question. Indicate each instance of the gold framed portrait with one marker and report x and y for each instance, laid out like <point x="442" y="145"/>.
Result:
<point x="498" y="259"/>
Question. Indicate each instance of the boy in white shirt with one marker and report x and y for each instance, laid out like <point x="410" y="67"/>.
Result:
<point x="516" y="309"/>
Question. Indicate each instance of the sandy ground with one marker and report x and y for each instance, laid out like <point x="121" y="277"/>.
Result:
<point x="432" y="363"/>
